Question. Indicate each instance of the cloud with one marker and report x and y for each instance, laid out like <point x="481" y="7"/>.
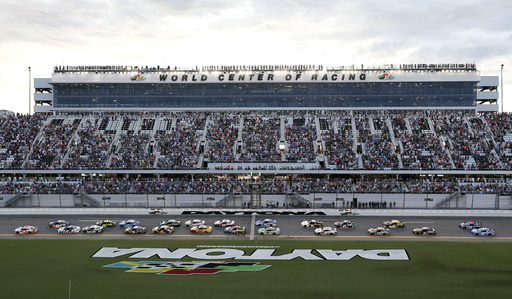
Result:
<point x="211" y="32"/>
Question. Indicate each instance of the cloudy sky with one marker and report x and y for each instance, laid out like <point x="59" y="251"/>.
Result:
<point x="45" y="33"/>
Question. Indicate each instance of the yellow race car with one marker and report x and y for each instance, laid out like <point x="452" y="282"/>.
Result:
<point x="393" y="224"/>
<point x="201" y="229"/>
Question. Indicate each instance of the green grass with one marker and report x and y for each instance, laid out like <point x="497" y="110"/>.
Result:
<point x="36" y="268"/>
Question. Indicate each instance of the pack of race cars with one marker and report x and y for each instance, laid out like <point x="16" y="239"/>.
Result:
<point x="264" y="227"/>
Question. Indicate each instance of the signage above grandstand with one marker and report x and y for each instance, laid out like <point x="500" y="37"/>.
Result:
<point x="267" y="77"/>
<point x="263" y="77"/>
<point x="258" y="254"/>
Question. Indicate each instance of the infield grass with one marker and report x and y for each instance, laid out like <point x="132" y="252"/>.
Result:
<point x="45" y="268"/>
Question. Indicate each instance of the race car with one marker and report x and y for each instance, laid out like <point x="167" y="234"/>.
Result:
<point x="345" y="223"/>
<point x="70" y="229"/>
<point x="194" y="222"/>
<point x="93" y="229"/>
<point x="326" y="231"/>
<point x="266" y="222"/>
<point x="311" y="223"/>
<point x="157" y="212"/>
<point x="106" y="223"/>
<point x="224" y="223"/>
<point x="348" y="212"/>
<point x="393" y="224"/>
<point x="129" y="222"/>
<point x="269" y="230"/>
<point x="58" y="223"/>
<point x="171" y="222"/>
<point x="236" y="229"/>
<point x="470" y="225"/>
<point x="483" y="231"/>
<point x="424" y="231"/>
<point x="163" y="229"/>
<point x="379" y="231"/>
<point x="201" y="229"/>
<point x="135" y="229"/>
<point x="27" y="229"/>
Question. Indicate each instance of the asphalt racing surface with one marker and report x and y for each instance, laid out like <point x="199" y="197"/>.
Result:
<point x="447" y="228"/>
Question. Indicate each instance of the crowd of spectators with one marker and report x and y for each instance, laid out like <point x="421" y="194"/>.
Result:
<point x="338" y="140"/>
<point x="133" y="152"/>
<point x="269" y="185"/>
<point x="91" y="150"/>
<point x="179" y="148"/>
<point x="222" y="134"/>
<point x="261" y="135"/>
<point x="300" y="135"/>
<point x="17" y="134"/>
<point x="500" y="127"/>
<point x="379" y="151"/>
<point x="52" y="145"/>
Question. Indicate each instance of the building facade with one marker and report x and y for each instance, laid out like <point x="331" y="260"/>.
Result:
<point x="297" y="87"/>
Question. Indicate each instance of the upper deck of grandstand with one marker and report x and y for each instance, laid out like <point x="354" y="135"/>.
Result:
<point x="301" y="142"/>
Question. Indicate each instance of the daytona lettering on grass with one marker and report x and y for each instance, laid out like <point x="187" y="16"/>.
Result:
<point x="258" y="254"/>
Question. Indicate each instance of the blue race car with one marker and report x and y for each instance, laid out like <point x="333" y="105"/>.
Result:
<point x="470" y="225"/>
<point x="483" y="231"/>
<point x="129" y="223"/>
<point x="266" y="222"/>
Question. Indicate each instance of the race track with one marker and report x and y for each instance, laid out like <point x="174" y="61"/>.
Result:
<point x="447" y="227"/>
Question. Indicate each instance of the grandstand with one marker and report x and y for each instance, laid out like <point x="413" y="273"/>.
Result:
<point x="260" y="136"/>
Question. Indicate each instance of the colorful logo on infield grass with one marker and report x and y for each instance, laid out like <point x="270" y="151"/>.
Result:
<point x="137" y="77"/>
<point x="386" y="76"/>
<point x="186" y="268"/>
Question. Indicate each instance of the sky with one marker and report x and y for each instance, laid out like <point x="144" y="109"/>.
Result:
<point x="187" y="33"/>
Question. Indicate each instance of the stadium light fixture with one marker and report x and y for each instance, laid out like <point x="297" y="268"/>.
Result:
<point x="501" y="95"/>
<point x="29" y="87"/>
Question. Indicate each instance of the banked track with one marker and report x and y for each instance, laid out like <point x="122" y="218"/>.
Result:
<point x="444" y="221"/>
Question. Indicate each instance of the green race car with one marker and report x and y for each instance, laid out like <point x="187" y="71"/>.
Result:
<point x="106" y="223"/>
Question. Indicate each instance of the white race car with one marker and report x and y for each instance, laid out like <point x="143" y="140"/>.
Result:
<point x="27" y="229"/>
<point x="378" y="231"/>
<point x="311" y="223"/>
<point x="58" y="223"/>
<point x="194" y="222"/>
<point x="93" y="229"/>
<point x="72" y="229"/>
<point x="345" y="223"/>
<point x="326" y="231"/>
<point x="224" y="223"/>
